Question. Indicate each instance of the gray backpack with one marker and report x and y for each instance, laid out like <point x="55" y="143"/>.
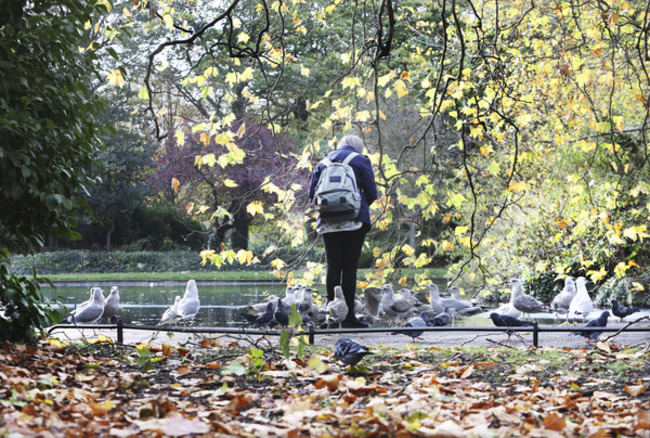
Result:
<point x="337" y="196"/>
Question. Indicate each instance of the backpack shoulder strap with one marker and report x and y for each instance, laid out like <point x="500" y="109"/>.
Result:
<point x="326" y="162"/>
<point x="349" y="158"/>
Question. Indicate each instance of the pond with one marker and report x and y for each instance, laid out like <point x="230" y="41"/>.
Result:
<point x="221" y="304"/>
<point x="142" y="303"/>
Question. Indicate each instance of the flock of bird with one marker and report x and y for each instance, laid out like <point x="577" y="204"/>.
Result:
<point x="402" y="308"/>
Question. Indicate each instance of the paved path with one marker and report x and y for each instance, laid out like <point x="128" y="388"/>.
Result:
<point x="429" y="339"/>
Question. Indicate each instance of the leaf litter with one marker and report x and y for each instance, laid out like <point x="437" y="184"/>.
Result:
<point x="101" y="388"/>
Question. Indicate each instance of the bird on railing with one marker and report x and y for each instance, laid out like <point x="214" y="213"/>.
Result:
<point x="190" y="304"/>
<point x="337" y="309"/>
<point x="508" y="321"/>
<point x="350" y="352"/>
<point x="562" y="301"/>
<point x="112" y="304"/>
<point x="522" y="302"/>
<point x="601" y="321"/>
<point x="622" y="311"/>
<point x="581" y="304"/>
<point x="417" y="322"/>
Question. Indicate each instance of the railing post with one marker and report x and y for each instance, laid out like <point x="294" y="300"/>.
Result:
<point x="535" y="334"/>
<point x="120" y="331"/>
<point x="311" y="334"/>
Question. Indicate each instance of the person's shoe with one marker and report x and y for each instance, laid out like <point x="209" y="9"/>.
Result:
<point x="354" y="323"/>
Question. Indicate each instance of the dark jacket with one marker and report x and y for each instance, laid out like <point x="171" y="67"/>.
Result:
<point x="365" y="179"/>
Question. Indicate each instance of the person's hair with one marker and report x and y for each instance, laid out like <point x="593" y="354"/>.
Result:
<point x="354" y="141"/>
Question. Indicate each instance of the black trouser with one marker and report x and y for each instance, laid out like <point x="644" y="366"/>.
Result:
<point x="342" y="252"/>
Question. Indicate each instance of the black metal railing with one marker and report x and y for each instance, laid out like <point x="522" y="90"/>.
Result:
<point x="312" y="332"/>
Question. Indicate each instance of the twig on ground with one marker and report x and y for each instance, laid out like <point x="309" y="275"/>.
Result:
<point x="624" y="327"/>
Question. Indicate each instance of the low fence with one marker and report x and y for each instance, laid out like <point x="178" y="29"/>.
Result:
<point x="312" y="332"/>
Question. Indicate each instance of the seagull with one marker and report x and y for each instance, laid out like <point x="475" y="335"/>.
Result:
<point x="508" y="321"/>
<point x="418" y="321"/>
<point x="337" y="309"/>
<point x="372" y="299"/>
<point x="622" y="311"/>
<point x="91" y="311"/>
<point x="350" y="352"/>
<point x="398" y="308"/>
<point x="265" y="317"/>
<point x="581" y="303"/>
<point x="171" y="315"/>
<point x="441" y="319"/>
<point x="112" y="305"/>
<point x="522" y="302"/>
<point x="601" y="321"/>
<point x="190" y="304"/>
<point x="434" y="298"/>
<point x="456" y="302"/>
<point x="562" y="301"/>
<point x="259" y="307"/>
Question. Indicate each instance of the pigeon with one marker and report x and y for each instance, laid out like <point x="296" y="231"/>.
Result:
<point x="281" y="314"/>
<point x="562" y="301"/>
<point x="601" y="321"/>
<point x="112" y="305"/>
<point x="350" y="352"/>
<point x="622" y="311"/>
<point x="581" y="304"/>
<point x="266" y="317"/>
<point x="508" y="321"/>
<point x="171" y="315"/>
<point x="522" y="302"/>
<point x="91" y="311"/>
<point x="418" y="321"/>
<point x="442" y="319"/>
<point x="372" y="299"/>
<point x="337" y="309"/>
<point x="190" y="304"/>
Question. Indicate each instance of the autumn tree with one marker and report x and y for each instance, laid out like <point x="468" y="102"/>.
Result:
<point x="527" y="121"/>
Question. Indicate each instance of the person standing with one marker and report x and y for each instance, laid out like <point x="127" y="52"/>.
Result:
<point x="343" y="240"/>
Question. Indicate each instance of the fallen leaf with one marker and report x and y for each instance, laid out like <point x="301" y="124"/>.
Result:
<point x="554" y="422"/>
<point x="635" y="390"/>
<point x="174" y="424"/>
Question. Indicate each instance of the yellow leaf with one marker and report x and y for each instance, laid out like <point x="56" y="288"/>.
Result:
<point x="243" y="37"/>
<point x="447" y="246"/>
<point x="408" y="250"/>
<point x="204" y="138"/>
<point x="382" y="81"/>
<point x="115" y="78"/>
<point x="175" y="184"/>
<point x="254" y="208"/>
<point x="304" y="71"/>
<point x="189" y="207"/>
<point x="596" y="276"/>
<point x="229" y="183"/>
<point x="518" y="186"/>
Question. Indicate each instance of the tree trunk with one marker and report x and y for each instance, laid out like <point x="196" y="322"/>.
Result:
<point x="239" y="236"/>
<point x="109" y="232"/>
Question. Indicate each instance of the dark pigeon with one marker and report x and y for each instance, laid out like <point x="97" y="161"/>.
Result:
<point x="265" y="317"/>
<point x="622" y="311"/>
<point x="508" y="321"/>
<point x="441" y="319"/>
<point x="350" y="352"/>
<point x="601" y="321"/>
<point x="303" y="309"/>
<point x="281" y="314"/>
<point x="418" y="321"/>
